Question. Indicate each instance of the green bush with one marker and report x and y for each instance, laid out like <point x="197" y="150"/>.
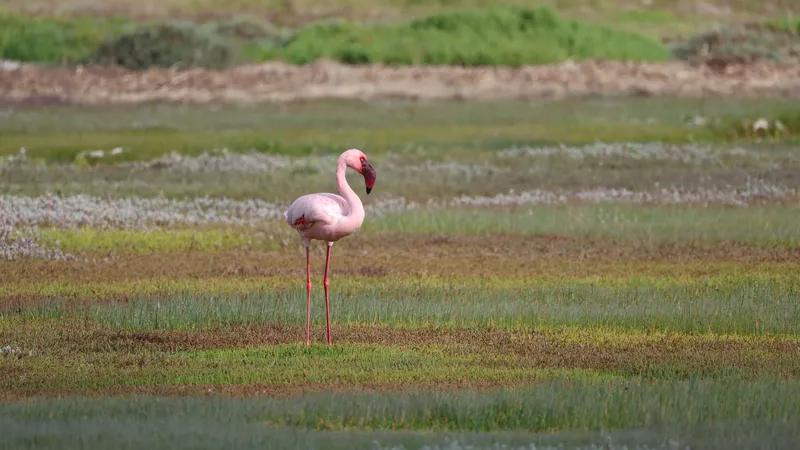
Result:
<point x="178" y="44"/>
<point x="53" y="40"/>
<point x="490" y="36"/>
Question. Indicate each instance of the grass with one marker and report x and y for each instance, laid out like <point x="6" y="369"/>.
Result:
<point x="555" y="406"/>
<point x="300" y="129"/>
<point x="471" y="37"/>
<point x="559" y="405"/>
<point x="89" y="240"/>
<point x="53" y="40"/>
<point x="659" y="19"/>
<point x="494" y="36"/>
<point x="506" y="34"/>
<point x="789" y="23"/>
<point x="642" y="324"/>
<point x="770" y="226"/>
<point x="747" y="303"/>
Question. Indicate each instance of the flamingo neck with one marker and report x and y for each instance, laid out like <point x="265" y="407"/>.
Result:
<point x="355" y="215"/>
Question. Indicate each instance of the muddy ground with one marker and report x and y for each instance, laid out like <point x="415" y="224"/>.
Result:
<point x="280" y="82"/>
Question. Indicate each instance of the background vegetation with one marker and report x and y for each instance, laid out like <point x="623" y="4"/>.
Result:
<point x="497" y="35"/>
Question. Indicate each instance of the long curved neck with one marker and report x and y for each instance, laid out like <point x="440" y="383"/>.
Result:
<point x="355" y="215"/>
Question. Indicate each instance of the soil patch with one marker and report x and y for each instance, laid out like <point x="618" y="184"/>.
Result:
<point x="281" y="82"/>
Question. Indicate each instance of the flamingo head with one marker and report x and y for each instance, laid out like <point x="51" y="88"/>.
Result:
<point x="357" y="160"/>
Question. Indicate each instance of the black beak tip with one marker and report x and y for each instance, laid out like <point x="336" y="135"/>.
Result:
<point x="369" y="189"/>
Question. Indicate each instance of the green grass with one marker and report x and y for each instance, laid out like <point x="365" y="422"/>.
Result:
<point x="53" y="40"/>
<point x="60" y="134"/>
<point x="788" y="23"/>
<point x="488" y="36"/>
<point x="549" y="407"/>
<point x="563" y="413"/>
<point x="747" y="304"/>
<point x="168" y="241"/>
<point x="765" y="225"/>
<point x="276" y="365"/>
<point x="492" y="36"/>
<point x="661" y="18"/>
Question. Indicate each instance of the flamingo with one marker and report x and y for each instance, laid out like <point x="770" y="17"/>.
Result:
<point x="330" y="217"/>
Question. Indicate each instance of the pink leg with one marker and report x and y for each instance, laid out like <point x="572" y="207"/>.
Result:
<point x="308" y="289"/>
<point x="327" y="285"/>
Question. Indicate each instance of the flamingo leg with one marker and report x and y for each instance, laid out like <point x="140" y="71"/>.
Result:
<point x="327" y="286"/>
<point x="308" y="289"/>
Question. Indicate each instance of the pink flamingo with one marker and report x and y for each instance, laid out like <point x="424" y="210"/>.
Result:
<point x="329" y="217"/>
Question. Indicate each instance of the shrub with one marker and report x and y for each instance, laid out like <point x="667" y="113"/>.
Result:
<point x="53" y="40"/>
<point x="177" y="44"/>
<point x="254" y="38"/>
<point x="741" y="44"/>
<point x="247" y="28"/>
<point x="490" y="36"/>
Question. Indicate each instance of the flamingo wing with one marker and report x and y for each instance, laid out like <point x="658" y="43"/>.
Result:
<point x="310" y="209"/>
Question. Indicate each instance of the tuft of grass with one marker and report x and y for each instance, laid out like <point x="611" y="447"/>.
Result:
<point x="489" y="36"/>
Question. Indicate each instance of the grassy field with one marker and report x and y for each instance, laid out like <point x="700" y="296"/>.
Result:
<point x="565" y="274"/>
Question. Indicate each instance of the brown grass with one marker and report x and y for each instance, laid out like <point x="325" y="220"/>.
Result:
<point x="412" y="255"/>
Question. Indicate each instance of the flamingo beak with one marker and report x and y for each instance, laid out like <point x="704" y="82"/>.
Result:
<point x="369" y="175"/>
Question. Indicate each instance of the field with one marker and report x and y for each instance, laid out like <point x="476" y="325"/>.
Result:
<point x="588" y="269"/>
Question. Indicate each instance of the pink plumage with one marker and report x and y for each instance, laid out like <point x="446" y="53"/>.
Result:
<point x="330" y="217"/>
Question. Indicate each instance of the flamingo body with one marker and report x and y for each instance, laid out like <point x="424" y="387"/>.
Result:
<point x="317" y="217"/>
<point x="330" y="217"/>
